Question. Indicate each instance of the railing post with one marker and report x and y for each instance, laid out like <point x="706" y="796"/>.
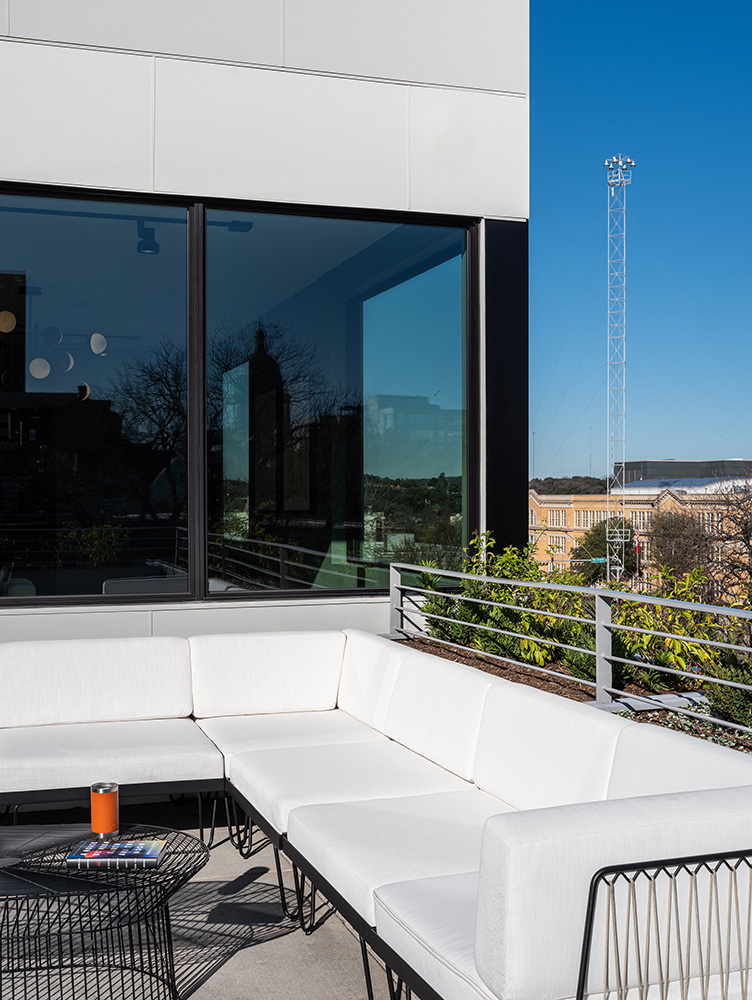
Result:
<point x="603" y="677"/>
<point x="223" y="558"/>
<point x="283" y="581"/>
<point x="395" y="599"/>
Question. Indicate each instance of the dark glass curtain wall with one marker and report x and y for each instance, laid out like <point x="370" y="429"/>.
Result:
<point x="336" y="399"/>
<point x="92" y="398"/>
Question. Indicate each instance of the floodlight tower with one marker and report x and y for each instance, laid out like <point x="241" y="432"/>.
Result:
<point x="619" y="176"/>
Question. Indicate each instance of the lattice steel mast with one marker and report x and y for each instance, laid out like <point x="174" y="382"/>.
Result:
<point x="619" y="175"/>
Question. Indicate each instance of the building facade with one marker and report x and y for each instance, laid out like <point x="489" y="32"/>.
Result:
<point x="558" y="523"/>
<point x="257" y="267"/>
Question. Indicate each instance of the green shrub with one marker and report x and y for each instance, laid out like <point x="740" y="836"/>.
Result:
<point x="731" y="704"/>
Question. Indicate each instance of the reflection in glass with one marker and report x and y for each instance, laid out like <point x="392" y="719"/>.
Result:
<point x="335" y="395"/>
<point x="92" y="399"/>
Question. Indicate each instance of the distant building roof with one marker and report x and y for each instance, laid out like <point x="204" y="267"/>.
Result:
<point x="709" y="484"/>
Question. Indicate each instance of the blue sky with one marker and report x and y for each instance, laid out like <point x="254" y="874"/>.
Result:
<point x="668" y="84"/>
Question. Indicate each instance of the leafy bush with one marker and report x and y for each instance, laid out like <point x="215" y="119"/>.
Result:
<point x="732" y="704"/>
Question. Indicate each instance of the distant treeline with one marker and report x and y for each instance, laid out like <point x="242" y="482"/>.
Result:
<point x="569" y="484"/>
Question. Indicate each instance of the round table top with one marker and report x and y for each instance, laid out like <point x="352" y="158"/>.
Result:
<point x="40" y="894"/>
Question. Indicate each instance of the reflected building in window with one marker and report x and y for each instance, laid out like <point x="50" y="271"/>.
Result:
<point x="408" y="436"/>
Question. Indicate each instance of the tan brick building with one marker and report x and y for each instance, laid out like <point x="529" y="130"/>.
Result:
<point x="557" y="522"/>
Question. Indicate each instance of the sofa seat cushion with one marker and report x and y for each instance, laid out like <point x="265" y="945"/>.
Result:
<point x="41" y="757"/>
<point x="358" y="846"/>
<point x="239" y="733"/>
<point x="276" y="781"/>
<point x="94" y="680"/>
<point x="264" y="672"/>
<point x="430" y="923"/>
<point x="537" y="749"/>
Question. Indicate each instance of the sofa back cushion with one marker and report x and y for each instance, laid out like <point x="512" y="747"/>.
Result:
<point x="435" y="709"/>
<point x="369" y="670"/>
<point x="259" y="673"/>
<point x="538" y="749"/>
<point x="94" y="680"/>
<point x="651" y="760"/>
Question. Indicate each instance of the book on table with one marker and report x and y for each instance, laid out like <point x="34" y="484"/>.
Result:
<point x="117" y="854"/>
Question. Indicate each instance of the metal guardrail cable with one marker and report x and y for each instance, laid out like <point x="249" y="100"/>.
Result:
<point x="717" y="643"/>
<point x="501" y="631"/>
<point x="705" y="678"/>
<point x="526" y="609"/>
<point x="619" y="595"/>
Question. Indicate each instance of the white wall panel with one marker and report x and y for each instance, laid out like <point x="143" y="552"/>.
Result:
<point x="371" y="616"/>
<point x="477" y="43"/>
<point x="224" y="29"/>
<point x="468" y="153"/>
<point x="22" y="625"/>
<point x="248" y="133"/>
<point x="4" y="16"/>
<point x="80" y="117"/>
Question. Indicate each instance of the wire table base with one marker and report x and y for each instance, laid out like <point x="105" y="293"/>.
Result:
<point x="98" y="934"/>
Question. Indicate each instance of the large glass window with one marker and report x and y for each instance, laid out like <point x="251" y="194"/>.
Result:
<point x="92" y="398"/>
<point x="336" y="399"/>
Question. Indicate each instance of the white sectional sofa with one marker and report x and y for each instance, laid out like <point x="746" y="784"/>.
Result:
<point x="454" y="818"/>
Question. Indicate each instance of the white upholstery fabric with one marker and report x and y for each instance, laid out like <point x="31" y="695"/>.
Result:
<point x="94" y="680"/>
<point x="537" y="749"/>
<point x="369" y="671"/>
<point x="358" y="846"/>
<point x="264" y="672"/>
<point x="431" y="924"/>
<point x="40" y="757"/>
<point x="239" y="733"/>
<point x="536" y="867"/>
<point x="435" y="709"/>
<point x="650" y="760"/>
<point x="276" y="781"/>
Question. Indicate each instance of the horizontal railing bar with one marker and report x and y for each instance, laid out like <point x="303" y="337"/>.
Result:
<point x="680" y="711"/>
<point x="618" y="595"/>
<point x="681" y="673"/>
<point x="296" y="548"/>
<point x="718" y="643"/>
<point x="406" y="591"/>
<point x="501" y="631"/>
<point x="495" y="656"/>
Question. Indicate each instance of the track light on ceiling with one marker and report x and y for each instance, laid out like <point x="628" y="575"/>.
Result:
<point x="146" y="241"/>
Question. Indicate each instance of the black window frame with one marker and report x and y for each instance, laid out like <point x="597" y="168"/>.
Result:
<point x="505" y="307"/>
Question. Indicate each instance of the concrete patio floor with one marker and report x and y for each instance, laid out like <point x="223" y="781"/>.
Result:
<point x="231" y="939"/>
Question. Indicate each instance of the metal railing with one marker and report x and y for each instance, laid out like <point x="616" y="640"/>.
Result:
<point x="255" y="563"/>
<point x="38" y="547"/>
<point x="600" y="620"/>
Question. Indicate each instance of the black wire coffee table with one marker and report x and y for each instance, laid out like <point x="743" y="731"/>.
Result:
<point x="94" y="934"/>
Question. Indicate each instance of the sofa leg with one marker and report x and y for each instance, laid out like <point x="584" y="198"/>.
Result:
<point x="395" y="988"/>
<point x="366" y="969"/>
<point x="307" y="924"/>
<point x="240" y="834"/>
<point x="201" y="831"/>
<point x="282" y="891"/>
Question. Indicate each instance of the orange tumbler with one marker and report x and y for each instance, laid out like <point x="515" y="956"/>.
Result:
<point x="105" y="802"/>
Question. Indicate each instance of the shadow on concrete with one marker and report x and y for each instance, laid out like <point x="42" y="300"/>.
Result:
<point x="213" y="921"/>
